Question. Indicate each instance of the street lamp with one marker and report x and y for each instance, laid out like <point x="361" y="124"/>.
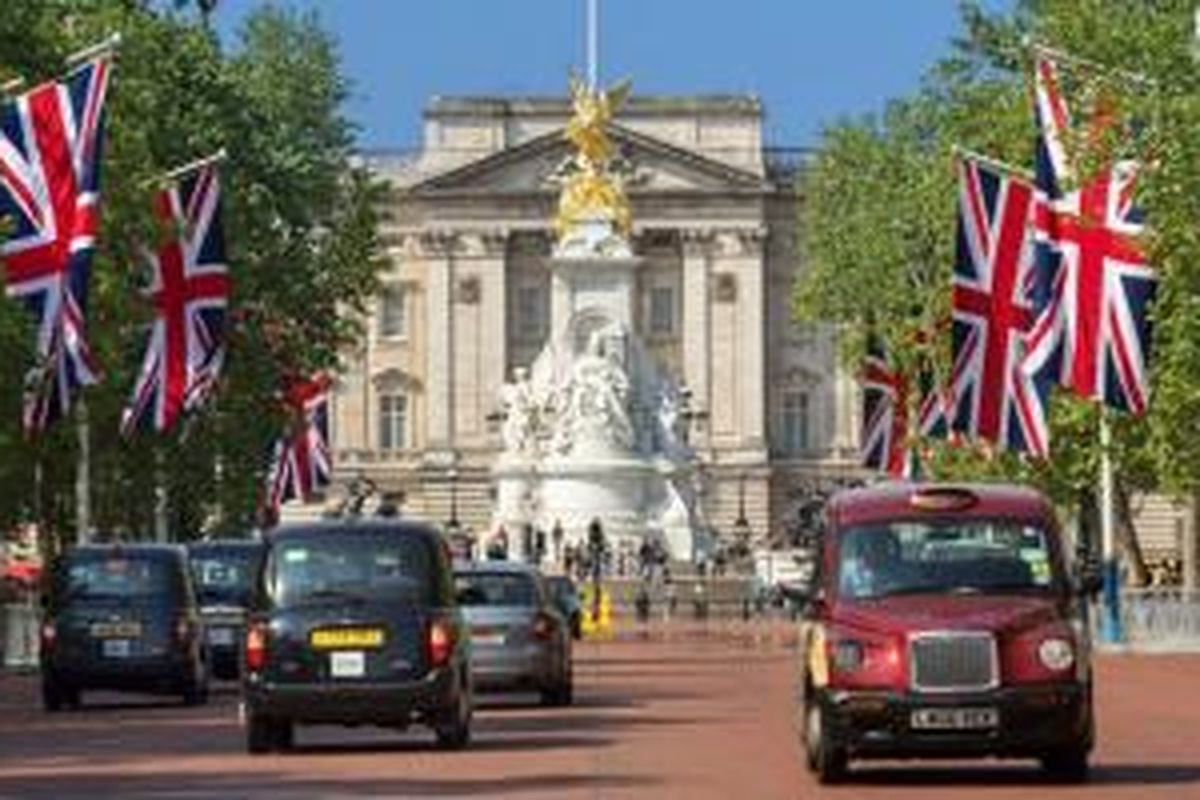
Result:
<point x="452" y="525"/>
<point x="741" y="525"/>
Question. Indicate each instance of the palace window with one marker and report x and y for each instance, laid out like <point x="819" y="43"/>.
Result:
<point x="393" y="318"/>
<point x="532" y="308"/>
<point x="793" y="429"/>
<point x="393" y="422"/>
<point x="662" y="311"/>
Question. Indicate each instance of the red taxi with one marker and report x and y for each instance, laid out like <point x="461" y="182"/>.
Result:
<point x="942" y="621"/>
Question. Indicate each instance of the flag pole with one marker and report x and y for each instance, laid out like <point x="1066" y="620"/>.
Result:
<point x="83" y="500"/>
<point x="1110" y="627"/>
<point x="94" y="50"/>
<point x="191" y="166"/>
<point x="160" y="497"/>
<point x="966" y="153"/>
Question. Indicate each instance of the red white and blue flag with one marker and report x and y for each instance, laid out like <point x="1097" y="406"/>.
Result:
<point x="1094" y="286"/>
<point x="994" y="398"/>
<point x="190" y="291"/>
<point x="885" y="413"/>
<point x="50" y="146"/>
<point x="301" y="462"/>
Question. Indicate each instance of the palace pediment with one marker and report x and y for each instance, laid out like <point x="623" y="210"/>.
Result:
<point x="655" y="166"/>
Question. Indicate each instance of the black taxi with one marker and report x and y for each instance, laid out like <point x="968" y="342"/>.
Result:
<point x="121" y="617"/>
<point x="353" y="621"/>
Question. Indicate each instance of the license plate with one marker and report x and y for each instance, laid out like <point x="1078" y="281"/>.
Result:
<point x="115" y="648"/>
<point x="338" y="638"/>
<point x="222" y="637"/>
<point x="347" y="663"/>
<point x="955" y="719"/>
<point x="116" y="630"/>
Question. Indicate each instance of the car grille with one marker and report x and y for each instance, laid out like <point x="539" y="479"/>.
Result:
<point x="953" y="661"/>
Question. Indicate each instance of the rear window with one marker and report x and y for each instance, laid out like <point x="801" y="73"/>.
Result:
<point x="348" y="568"/>
<point x="224" y="575"/>
<point x="495" y="589"/>
<point x="115" y="577"/>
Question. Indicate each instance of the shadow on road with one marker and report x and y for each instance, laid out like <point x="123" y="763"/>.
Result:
<point x="480" y="743"/>
<point x="1101" y="775"/>
<point x="279" y="785"/>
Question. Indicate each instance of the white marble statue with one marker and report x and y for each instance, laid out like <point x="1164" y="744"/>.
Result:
<point x="519" y="420"/>
<point x="594" y="402"/>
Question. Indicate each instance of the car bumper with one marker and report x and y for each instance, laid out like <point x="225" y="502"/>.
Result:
<point x="1032" y="721"/>
<point x="518" y="667"/>
<point x="166" y="673"/>
<point x="390" y="703"/>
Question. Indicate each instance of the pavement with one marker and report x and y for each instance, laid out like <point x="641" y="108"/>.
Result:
<point x="678" y="711"/>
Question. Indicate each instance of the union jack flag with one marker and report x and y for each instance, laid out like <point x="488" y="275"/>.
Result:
<point x="301" y="462"/>
<point x="190" y="290"/>
<point x="994" y="398"/>
<point x="885" y="414"/>
<point x="50" y="143"/>
<point x="1094" y="287"/>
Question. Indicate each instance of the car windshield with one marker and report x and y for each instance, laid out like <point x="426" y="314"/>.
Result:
<point x="114" y="577"/>
<point x="495" y="589"/>
<point x="224" y="576"/>
<point x="951" y="557"/>
<point x="562" y="590"/>
<point x="353" y="568"/>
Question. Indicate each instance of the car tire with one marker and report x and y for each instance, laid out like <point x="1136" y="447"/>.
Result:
<point x="826" y="758"/>
<point x="195" y="688"/>
<point x="261" y="735"/>
<point x="284" y="735"/>
<point x="56" y="697"/>
<point x="1067" y="766"/>
<point x="455" y="733"/>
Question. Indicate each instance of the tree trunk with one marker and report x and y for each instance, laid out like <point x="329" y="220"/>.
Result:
<point x="1127" y="541"/>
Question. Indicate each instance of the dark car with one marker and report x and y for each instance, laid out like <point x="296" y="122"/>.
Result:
<point x="519" y="640"/>
<point x="223" y="573"/>
<point x="943" y="623"/>
<point x="566" y="599"/>
<point x="354" y="622"/>
<point x="121" y="617"/>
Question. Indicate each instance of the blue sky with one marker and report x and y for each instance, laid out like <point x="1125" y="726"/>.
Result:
<point x="810" y="61"/>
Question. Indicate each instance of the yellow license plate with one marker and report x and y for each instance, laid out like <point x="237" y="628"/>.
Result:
<point x="116" y="630"/>
<point x="338" y="638"/>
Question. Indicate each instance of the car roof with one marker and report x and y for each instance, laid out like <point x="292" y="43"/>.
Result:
<point x="226" y="544"/>
<point x="119" y="548"/>
<point x="356" y="526"/>
<point x="486" y="567"/>
<point x="895" y="500"/>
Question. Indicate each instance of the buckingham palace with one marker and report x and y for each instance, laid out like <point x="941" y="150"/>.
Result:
<point x="466" y="301"/>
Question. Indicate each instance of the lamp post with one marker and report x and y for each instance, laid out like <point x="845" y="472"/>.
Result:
<point x="452" y="524"/>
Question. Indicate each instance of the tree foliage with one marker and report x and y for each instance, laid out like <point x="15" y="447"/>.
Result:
<point x="881" y="199"/>
<point x="301" y="242"/>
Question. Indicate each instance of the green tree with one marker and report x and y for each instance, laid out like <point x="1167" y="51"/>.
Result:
<point x="301" y="242"/>
<point x="880" y="215"/>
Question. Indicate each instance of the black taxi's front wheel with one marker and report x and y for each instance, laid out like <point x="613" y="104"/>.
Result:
<point x="826" y="758"/>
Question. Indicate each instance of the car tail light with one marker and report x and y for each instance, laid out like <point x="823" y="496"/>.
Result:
<point x="49" y="634"/>
<point x="256" y="646"/>
<point x="441" y="643"/>
<point x="543" y="626"/>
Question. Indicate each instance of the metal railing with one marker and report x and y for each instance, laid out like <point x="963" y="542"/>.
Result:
<point x="1160" y="617"/>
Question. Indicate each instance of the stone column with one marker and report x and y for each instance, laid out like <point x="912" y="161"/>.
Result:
<point x="438" y="248"/>
<point x="743" y="254"/>
<point x="697" y="322"/>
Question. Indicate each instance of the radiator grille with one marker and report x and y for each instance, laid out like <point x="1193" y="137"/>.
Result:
<point x="953" y="661"/>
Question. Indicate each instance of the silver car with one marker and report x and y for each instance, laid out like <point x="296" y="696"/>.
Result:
<point x="519" y="639"/>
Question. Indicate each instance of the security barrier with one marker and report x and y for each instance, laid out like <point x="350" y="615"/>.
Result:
<point x="1161" y="617"/>
<point x="19" y="635"/>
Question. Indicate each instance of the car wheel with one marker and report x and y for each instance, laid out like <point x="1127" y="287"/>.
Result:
<point x="195" y="689"/>
<point x="54" y="695"/>
<point x="1069" y="766"/>
<point x="826" y="759"/>
<point x="455" y="733"/>
<point x="284" y="734"/>
<point x="261" y="734"/>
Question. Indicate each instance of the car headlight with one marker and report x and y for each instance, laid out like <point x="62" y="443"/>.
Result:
<point x="1056" y="654"/>
<point x="848" y="655"/>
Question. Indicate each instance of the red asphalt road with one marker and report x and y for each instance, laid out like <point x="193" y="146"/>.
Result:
<point x="682" y="715"/>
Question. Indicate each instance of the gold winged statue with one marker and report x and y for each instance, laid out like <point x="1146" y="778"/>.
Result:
<point x="590" y="187"/>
